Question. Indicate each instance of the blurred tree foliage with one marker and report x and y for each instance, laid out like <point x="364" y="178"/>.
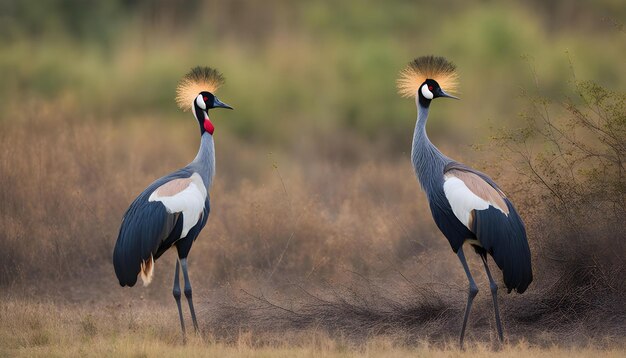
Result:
<point x="82" y="20"/>
<point x="315" y="67"/>
<point x="85" y="19"/>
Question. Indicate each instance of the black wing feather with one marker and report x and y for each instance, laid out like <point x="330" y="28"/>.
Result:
<point x="145" y="225"/>
<point x="503" y="237"/>
<point x="446" y="221"/>
<point x="144" y="228"/>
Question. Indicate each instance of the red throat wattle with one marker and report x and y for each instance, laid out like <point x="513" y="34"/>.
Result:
<point x="208" y="126"/>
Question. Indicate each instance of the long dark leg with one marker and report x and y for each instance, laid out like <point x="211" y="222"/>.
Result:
<point x="183" y="263"/>
<point x="176" y="293"/>
<point x="494" y="294"/>
<point x="473" y="291"/>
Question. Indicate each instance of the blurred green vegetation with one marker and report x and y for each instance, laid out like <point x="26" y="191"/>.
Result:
<point x="301" y="67"/>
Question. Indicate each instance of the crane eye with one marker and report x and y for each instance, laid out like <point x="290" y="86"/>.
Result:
<point x="430" y="88"/>
<point x="205" y="98"/>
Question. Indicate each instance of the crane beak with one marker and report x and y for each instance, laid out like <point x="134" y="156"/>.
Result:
<point x="219" y="104"/>
<point x="442" y="93"/>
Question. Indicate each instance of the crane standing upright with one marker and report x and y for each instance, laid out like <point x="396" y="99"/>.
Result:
<point x="173" y="210"/>
<point x="467" y="206"/>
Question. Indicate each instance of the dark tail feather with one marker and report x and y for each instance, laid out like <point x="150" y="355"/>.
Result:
<point x="516" y="267"/>
<point x="145" y="226"/>
<point x="504" y="237"/>
<point x="125" y="270"/>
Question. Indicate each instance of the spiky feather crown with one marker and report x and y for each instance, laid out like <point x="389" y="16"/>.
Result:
<point x="197" y="80"/>
<point x="425" y="67"/>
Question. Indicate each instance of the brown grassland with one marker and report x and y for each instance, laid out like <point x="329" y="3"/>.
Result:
<point x="53" y="330"/>
<point x="303" y="266"/>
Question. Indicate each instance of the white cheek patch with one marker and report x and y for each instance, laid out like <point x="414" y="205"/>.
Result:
<point x="200" y="102"/>
<point x="426" y="92"/>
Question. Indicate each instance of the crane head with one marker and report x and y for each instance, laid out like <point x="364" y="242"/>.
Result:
<point x="196" y="90"/>
<point x="426" y="77"/>
<point x="200" y="82"/>
<point x="430" y="90"/>
<point x="207" y="100"/>
<point x="201" y="105"/>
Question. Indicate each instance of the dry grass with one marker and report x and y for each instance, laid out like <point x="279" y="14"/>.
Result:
<point x="67" y="183"/>
<point x="47" y="329"/>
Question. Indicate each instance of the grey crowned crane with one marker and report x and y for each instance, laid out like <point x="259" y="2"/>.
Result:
<point x="467" y="206"/>
<point x="173" y="210"/>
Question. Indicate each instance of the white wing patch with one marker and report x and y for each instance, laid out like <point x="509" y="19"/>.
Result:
<point x="462" y="200"/>
<point x="189" y="202"/>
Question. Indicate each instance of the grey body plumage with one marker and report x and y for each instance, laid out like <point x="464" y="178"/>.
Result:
<point x="427" y="159"/>
<point x="430" y="167"/>
<point x="149" y="229"/>
<point x="429" y="164"/>
<point x="204" y="162"/>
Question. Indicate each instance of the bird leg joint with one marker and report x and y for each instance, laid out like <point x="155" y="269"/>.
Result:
<point x="494" y="287"/>
<point x="187" y="293"/>
<point x="176" y="293"/>
<point x="473" y="290"/>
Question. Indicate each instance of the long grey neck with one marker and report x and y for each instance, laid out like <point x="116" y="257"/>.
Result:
<point x="204" y="163"/>
<point x="428" y="161"/>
